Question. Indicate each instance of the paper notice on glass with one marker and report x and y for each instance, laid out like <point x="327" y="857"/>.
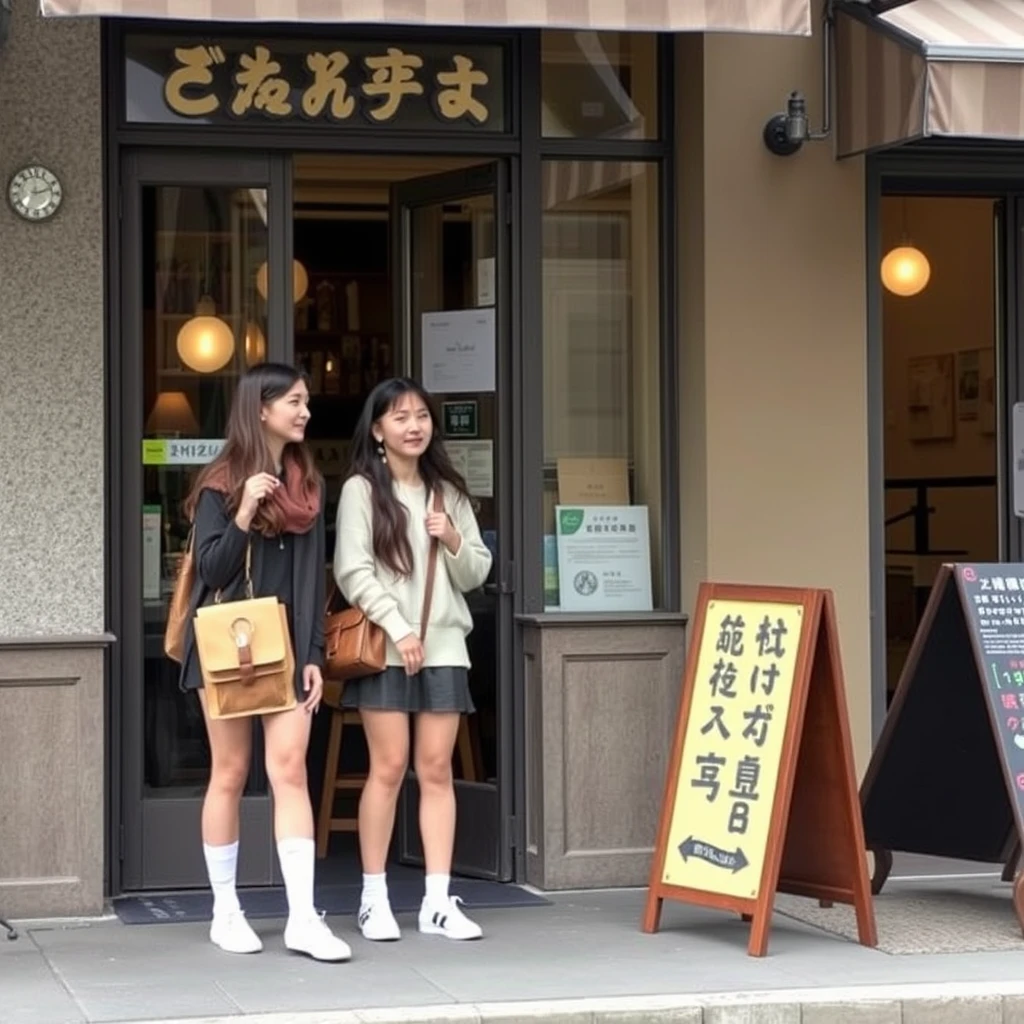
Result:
<point x="458" y="351"/>
<point x="474" y="461"/>
<point x="604" y="558"/>
<point x="485" y="281"/>
<point x="152" y="516"/>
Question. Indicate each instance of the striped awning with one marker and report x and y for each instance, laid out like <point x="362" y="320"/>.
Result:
<point x="929" y="68"/>
<point x="775" y="17"/>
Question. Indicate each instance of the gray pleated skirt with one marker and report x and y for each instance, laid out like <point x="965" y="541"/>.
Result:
<point x="442" y="688"/>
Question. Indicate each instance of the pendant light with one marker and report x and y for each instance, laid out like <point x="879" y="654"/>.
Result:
<point x="206" y="343"/>
<point x="255" y="344"/>
<point x="905" y="269"/>
<point x="300" y="281"/>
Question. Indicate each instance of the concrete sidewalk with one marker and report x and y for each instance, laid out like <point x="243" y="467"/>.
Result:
<point x="581" y="960"/>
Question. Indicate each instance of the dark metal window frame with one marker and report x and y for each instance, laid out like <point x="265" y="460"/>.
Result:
<point x="526" y="149"/>
<point x="939" y="169"/>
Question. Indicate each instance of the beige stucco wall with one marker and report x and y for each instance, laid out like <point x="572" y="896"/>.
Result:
<point x="773" y="343"/>
<point x="51" y="334"/>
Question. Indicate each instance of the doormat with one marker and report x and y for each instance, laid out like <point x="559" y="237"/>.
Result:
<point x="935" y="919"/>
<point x="333" y="900"/>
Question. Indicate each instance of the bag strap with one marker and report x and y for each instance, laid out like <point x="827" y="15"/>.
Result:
<point x="428" y="590"/>
<point x="248" y="574"/>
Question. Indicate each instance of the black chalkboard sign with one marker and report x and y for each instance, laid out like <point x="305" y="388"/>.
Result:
<point x="947" y="775"/>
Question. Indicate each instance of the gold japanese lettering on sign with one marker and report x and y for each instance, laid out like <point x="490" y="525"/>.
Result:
<point x="732" y="748"/>
<point x="261" y="85"/>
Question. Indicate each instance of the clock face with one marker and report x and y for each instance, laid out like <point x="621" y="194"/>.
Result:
<point x="35" y="193"/>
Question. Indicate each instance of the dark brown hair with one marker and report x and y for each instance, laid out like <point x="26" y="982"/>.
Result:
<point x="246" y="452"/>
<point x="390" y="522"/>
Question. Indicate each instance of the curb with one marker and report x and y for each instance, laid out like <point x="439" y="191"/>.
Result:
<point x="945" y="1003"/>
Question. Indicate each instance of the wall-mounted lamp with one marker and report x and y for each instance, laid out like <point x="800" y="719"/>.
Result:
<point x="785" y="133"/>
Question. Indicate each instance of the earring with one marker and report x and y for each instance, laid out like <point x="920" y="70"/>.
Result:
<point x="382" y="453"/>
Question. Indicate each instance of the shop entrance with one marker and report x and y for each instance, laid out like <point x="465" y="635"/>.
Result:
<point x="356" y="268"/>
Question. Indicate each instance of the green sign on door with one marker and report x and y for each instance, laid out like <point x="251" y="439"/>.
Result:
<point x="460" y="419"/>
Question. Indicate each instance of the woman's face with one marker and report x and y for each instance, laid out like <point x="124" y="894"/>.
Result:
<point x="286" y="417"/>
<point x="405" y="429"/>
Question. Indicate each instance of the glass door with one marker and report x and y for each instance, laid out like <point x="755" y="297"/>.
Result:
<point x="203" y="297"/>
<point x="451" y="247"/>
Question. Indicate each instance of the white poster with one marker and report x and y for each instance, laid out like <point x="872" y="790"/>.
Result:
<point x="604" y="558"/>
<point x="485" y="281"/>
<point x="151" y="527"/>
<point x="474" y="461"/>
<point x="458" y="351"/>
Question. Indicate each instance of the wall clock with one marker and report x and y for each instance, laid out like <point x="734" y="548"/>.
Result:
<point x="35" y="193"/>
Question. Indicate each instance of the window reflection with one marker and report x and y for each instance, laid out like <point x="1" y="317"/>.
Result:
<point x="599" y="85"/>
<point x="602" y="412"/>
<point x="204" y="323"/>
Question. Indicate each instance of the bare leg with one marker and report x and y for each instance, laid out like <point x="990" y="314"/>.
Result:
<point x="435" y="744"/>
<point x="230" y="751"/>
<point x="287" y="736"/>
<point x="387" y="736"/>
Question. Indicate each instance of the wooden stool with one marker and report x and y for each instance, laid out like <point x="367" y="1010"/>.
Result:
<point x="352" y="782"/>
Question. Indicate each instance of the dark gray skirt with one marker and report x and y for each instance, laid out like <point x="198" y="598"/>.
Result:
<point x="443" y="688"/>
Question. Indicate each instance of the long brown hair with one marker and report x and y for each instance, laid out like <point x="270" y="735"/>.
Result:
<point x="390" y="522"/>
<point x="246" y="451"/>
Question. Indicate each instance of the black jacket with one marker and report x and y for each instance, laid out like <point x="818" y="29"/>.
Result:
<point x="219" y="550"/>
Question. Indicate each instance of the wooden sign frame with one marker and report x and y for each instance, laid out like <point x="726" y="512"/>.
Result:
<point x="815" y="844"/>
<point x="1006" y="849"/>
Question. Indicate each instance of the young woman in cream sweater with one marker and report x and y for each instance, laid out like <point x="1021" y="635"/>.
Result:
<point x="386" y="525"/>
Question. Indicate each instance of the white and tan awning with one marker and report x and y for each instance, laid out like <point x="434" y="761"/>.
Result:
<point x="776" y="17"/>
<point x="950" y="68"/>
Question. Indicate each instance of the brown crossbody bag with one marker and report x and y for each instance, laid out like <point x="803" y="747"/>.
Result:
<point x="354" y="646"/>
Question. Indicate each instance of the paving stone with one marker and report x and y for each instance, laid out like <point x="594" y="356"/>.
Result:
<point x="420" y="1015"/>
<point x="889" y="1012"/>
<point x="961" y="1010"/>
<point x="668" y="1015"/>
<point x="748" y="1013"/>
<point x="1013" y="1009"/>
<point x="553" y="1011"/>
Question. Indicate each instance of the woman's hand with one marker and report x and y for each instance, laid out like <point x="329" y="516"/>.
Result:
<point x="313" y="684"/>
<point x="256" y="488"/>
<point x="440" y="526"/>
<point x="411" y="651"/>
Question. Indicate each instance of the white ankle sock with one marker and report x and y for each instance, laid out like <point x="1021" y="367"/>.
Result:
<point x="437" y="889"/>
<point x="375" y="889"/>
<point x="222" y="868"/>
<point x="298" y="857"/>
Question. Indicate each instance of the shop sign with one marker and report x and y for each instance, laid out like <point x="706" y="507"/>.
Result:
<point x="760" y="795"/>
<point x="604" y="558"/>
<point x="460" y="419"/>
<point x="196" y="451"/>
<point x="733" y="747"/>
<point x="327" y="82"/>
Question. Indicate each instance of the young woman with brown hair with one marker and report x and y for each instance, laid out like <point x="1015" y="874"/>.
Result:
<point x="264" y="493"/>
<point x="386" y="524"/>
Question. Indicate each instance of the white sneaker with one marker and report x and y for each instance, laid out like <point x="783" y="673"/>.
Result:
<point x="448" y="920"/>
<point x="378" y="924"/>
<point x="232" y="933"/>
<point x="310" y="935"/>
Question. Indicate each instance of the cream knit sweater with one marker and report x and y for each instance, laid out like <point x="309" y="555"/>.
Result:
<point x="394" y="603"/>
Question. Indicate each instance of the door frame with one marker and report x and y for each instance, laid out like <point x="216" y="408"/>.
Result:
<point x="140" y="169"/>
<point x="492" y="176"/>
<point x="941" y="170"/>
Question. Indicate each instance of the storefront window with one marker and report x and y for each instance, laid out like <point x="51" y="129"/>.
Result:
<point x="205" y="280"/>
<point x="602" y="413"/>
<point x="599" y="85"/>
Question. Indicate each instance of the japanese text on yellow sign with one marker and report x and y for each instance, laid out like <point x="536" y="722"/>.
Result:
<point x="329" y="87"/>
<point x="732" y="747"/>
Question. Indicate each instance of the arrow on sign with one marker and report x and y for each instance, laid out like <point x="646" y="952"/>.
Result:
<point x="735" y="861"/>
